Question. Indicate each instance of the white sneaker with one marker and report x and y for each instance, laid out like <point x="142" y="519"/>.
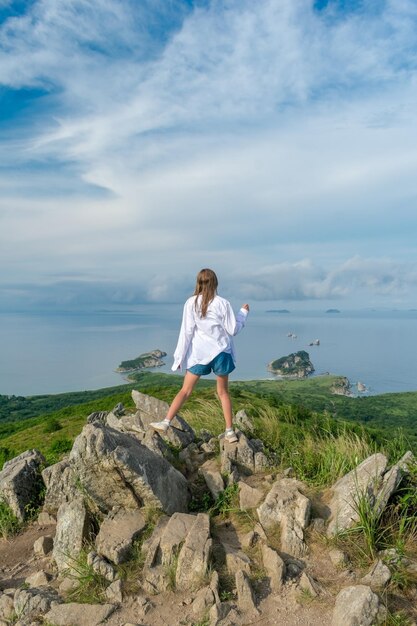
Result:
<point x="161" y="427"/>
<point x="231" y="437"/>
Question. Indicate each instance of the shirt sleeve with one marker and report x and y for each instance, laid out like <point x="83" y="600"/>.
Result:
<point x="234" y="324"/>
<point x="185" y="336"/>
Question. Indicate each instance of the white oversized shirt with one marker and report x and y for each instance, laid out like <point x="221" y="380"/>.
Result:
<point x="203" y="338"/>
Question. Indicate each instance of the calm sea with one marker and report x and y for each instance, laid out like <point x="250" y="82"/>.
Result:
<point x="50" y="353"/>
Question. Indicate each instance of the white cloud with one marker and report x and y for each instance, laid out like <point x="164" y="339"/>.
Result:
<point x="243" y="133"/>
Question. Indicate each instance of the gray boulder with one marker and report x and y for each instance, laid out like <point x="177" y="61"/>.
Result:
<point x="79" y="614"/>
<point x="358" y="606"/>
<point x="378" y="576"/>
<point x="43" y="546"/>
<point x="244" y="422"/>
<point x="100" y="566"/>
<point x="249" y="497"/>
<point x="363" y="481"/>
<point x="392" y="479"/>
<point x="245" y="597"/>
<point x="117" y="470"/>
<point x="213" y="477"/>
<point x="246" y="456"/>
<point x="150" y="409"/>
<point x="163" y="549"/>
<point x="274" y="567"/>
<point x="60" y="482"/>
<point x="287" y="506"/>
<point x="193" y="560"/>
<point x="117" y="533"/>
<point x="34" y="600"/>
<point x="72" y="531"/>
<point x="21" y="482"/>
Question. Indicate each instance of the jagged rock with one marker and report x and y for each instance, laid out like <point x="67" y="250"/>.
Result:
<point x="45" y="519"/>
<point x="163" y="548"/>
<point x="203" y="601"/>
<point x="116" y="470"/>
<point x="318" y="524"/>
<point x="358" y="606"/>
<point x="21" y="482"/>
<point x="236" y="560"/>
<point x="364" y="479"/>
<point x="119" y="410"/>
<point x="6" y="606"/>
<point x="337" y="557"/>
<point x="151" y="409"/>
<point x="117" y="533"/>
<point x="274" y="566"/>
<point x="194" y="556"/>
<point x="245" y="599"/>
<point x="114" y="592"/>
<point x="243" y="421"/>
<point x="38" y="579"/>
<point x="213" y="477"/>
<point x="36" y="600"/>
<point x="211" y="446"/>
<point x="80" y="614"/>
<point x="249" y="539"/>
<point x="245" y="455"/>
<point x="392" y="480"/>
<point x="378" y="576"/>
<point x="72" y="530"/>
<point x="249" y="497"/>
<point x="60" y="482"/>
<point x="67" y="585"/>
<point x="219" y="612"/>
<point x="97" y="417"/>
<point x="192" y="457"/>
<point x="287" y="506"/>
<point x="101" y="566"/>
<point x="156" y="534"/>
<point x="113" y="421"/>
<point x="307" y="583"/>
<point x="43" y="545"/>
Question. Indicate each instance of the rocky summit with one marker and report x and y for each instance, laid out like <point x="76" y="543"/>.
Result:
<point x="142" y="529"/>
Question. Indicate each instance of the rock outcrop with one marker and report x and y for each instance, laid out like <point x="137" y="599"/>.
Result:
<point x="358" y="605"/>
<point x="115" y="469"/>
<point x="121" y="510"/>
<point x="285" y="506"/>
<point x="21" y="482"/>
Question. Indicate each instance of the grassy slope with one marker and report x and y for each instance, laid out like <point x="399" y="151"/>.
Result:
<point x="386" y="412"/>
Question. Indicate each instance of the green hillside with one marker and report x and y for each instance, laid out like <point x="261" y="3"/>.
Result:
<point x="51" y="422"/>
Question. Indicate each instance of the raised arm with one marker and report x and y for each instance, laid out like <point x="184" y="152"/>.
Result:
<point x="234" y="324"/>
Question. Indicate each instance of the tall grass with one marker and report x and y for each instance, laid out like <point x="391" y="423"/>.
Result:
<point x="319" y="448"/>
<point x="9" y="524"/>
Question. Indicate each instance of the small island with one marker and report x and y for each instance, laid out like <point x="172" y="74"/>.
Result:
<point x="332" y="311"/>
<point x="295" y="365"/>
<point x="278" y="311"/>
<point x="147" y="359"/>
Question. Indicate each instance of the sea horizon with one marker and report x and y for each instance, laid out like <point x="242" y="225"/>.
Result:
<point x="47" y="352"/>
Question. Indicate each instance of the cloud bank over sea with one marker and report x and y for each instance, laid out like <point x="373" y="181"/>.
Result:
<point x="274" y="141"/>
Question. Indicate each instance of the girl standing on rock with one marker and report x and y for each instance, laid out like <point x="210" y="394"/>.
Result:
<point x="205" y="344"/>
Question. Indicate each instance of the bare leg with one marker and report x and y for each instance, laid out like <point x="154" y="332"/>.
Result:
<point x="224" y="397"/>
<point x="184" y="393"/>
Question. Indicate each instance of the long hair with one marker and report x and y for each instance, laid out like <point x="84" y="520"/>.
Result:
<point x="206" y="287"/>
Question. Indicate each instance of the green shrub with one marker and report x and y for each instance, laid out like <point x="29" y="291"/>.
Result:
<point x="52" y="425"/>
<point x="9" y="524"/>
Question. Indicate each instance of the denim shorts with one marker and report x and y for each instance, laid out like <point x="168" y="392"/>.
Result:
<point x="222" y="365"/>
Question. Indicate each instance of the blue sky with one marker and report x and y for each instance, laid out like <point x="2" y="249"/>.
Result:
<point x="274" y="141"/>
